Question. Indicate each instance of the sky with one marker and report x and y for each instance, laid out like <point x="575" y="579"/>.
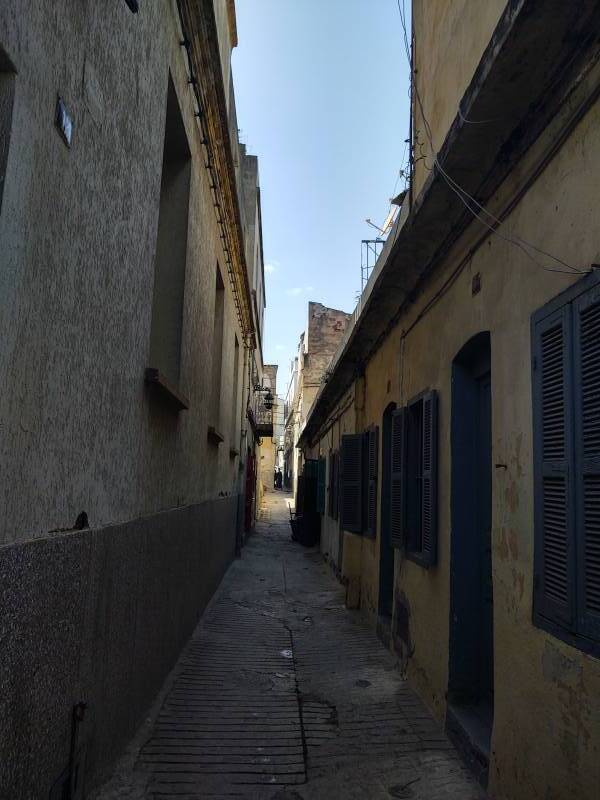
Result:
<point x="322" y="100"/>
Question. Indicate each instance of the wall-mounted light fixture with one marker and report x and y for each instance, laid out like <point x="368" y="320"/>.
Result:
<point x="266" y="390"/>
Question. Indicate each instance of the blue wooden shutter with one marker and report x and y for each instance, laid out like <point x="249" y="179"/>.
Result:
<point x="321" y="473"/>
<point x="334" y="484"/>
<point x="586" y="336"/>
<point x="352" y="456"/>
<point x="330" y="494"/>
<point x="429" y="492"/>
<point x="311" y="476"/>
<point x="397" y="451"/>
<point x="553" y="469"/>
<point x="338" y="485"/>
<point x="370" y="480"/>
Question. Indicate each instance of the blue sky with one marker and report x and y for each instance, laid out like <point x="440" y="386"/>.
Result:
<point x="322" y="100"/>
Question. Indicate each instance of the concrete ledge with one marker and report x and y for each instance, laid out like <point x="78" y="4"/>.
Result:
<point x="98" y="616"/>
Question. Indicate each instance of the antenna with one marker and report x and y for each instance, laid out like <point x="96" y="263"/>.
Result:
<point x="371" y="248"/>
<point x="369" y="253"/>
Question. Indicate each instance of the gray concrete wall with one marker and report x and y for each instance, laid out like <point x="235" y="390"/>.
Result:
<point x="98" y="617"/>
<point x="77" y="241"/>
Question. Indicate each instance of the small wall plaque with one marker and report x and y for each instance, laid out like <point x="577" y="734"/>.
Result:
<point x="64" y="123"/>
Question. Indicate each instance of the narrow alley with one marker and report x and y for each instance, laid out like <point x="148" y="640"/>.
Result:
<point x="284" y="693"/>
<point x="341" y="257"/>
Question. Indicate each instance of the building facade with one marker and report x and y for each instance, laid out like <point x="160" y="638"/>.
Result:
<point x="131" y="322"/>
<point x="318" y="344"/>
<point x="462" y="409"/>
<point x="268" y="445"/>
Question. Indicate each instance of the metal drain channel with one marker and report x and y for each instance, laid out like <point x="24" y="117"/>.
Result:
<point x="231" y="720"/>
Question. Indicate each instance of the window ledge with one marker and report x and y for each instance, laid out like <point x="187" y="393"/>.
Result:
<point x="578" y="641"/>
<point x="419" y="559"/>
<point x="166" y="389"/>
<point x="214" y="436"/>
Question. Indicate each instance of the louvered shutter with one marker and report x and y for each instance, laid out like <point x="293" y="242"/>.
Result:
<point x="397" y="488"/>
<point x="429" y="479"/>
<point x="351" y="509"/>
<point x="330" y="495"/>
<point x="338" y="485"/>
<point x="553" y="469"/>
<point x="586" y="334"/>
<point x="321" y="476"/>
<point x="371" y="463"/>
<point x="311" y="480"/>
<point x="334" y="484"/>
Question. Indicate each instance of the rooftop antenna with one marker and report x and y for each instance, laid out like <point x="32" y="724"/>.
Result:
<point x="369" y="253"/>
<point x="371" y="248"/>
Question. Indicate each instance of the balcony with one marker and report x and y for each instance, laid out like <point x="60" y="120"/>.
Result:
<point x="261" y="419"/>
<point x="264" y="422"/>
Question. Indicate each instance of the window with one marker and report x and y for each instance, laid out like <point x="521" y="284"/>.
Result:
<point x="171" y="247"/>
<point x="351" y="460"/>
<point x="334" y="471"/>
<point x="359" y="465"/>
<point x="413" y="490"/>
<point x="321" y="484"/>
<point x="566" y="430"/>
<point x="370" y="446"/>
<point x="217" y="351"/>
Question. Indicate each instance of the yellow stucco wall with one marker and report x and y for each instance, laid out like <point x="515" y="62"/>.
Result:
<point x="546" y="738"/>
<point x="447" y="32"/>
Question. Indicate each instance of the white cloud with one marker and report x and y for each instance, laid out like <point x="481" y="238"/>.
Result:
<point x="298" y="290"/>
<point x="270" y="267"/>
<point x="279" y="347"/>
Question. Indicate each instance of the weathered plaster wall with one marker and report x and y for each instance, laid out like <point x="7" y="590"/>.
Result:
<point x="324" y="333"/>
<point x="226" y="43"/>
<point x="458" y="33"/>
<point x="79" y="430"/>
<point x="546" y="739"/>
<point x="100" y="615"/>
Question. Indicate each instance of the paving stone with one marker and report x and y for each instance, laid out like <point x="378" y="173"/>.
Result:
<point x="284" y="694"/>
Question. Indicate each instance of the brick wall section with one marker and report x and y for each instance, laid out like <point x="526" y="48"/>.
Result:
<point x="325" y="330"/>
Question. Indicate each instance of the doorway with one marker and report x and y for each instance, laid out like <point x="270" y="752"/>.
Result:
<point x="471" y="657"/>
<point x="386" y="551"/>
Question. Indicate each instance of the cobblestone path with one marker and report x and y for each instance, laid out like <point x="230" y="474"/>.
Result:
<point x="283" y="694"/>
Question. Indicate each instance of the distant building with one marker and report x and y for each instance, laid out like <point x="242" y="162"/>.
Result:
<point x="131" y="323"/>
<point x="318" y="344"/>
<point x="269" y="445"/>
<point x="461" y="415"/>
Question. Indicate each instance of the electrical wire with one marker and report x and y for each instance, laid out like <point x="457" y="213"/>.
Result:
<point x="464" y="196"/>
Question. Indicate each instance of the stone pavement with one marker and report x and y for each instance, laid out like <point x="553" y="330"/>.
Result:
<point x="283" y="694"/>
